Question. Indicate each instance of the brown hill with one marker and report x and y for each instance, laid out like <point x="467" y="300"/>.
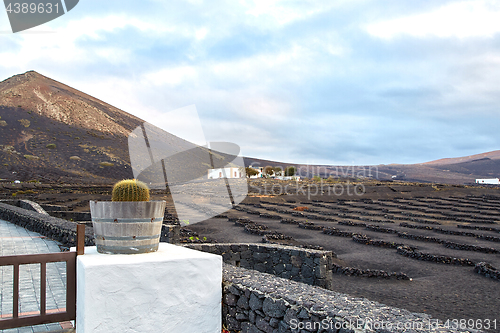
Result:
<point x="492" y="155"/>
<point x="459" y="170"/>
<point x="50" y="131"/>
<point x="42" y="96"/>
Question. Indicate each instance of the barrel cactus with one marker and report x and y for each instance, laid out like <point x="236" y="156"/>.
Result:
<point x="130" y="190"/>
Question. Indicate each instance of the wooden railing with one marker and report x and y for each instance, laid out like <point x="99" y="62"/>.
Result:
<point x="44" y="316"/>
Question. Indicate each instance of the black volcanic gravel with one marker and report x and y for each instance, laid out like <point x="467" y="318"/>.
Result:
<point x="452" y="279"/>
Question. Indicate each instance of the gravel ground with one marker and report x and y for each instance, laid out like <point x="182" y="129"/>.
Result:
<point x="443" y="291"/>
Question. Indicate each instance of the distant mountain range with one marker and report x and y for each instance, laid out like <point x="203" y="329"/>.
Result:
<point x="450" y="171"/>
<point x="52" y="132"/>
<point x="446" y="171"/>
<point x="492" y="155"/>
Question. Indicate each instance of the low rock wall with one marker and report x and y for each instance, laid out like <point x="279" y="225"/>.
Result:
<point x="487" y="270"/>
<point x="255" y="302"/>
<point x="57" y="229"/>
<point x="26" y="204"/>
<point x="313" y="267"/>
<point x="170" y="233"/>
<point x="73" y="216"/>
<point x="54" y="208"/>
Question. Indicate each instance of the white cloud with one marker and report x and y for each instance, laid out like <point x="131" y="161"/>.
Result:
<point x="170" y="76"/>
<point x="59" y="44"/>
<point x="293" y="64"/>
<point x="264" y="108"/>
<point x="94" y="26"/>
<point x="477" y="18"/>
<point x="282" y="11"/>
<point x="475" y="82"/>
<point x="201" y="33"/>
<point x="184" y="122"/>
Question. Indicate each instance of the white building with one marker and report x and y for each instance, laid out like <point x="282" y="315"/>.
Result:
<point x="297" y="178"/>
<point x="490" y="181"/>
<point x="225" y="172"/>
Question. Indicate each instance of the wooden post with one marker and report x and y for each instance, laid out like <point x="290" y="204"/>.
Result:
<point x="80" y="239"/>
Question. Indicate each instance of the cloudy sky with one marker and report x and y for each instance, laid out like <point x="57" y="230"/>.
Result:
<point x="313" y="81"/>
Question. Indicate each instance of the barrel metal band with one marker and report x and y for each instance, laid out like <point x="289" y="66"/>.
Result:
<point x="123" y="238"/>
<point x="124" y="220"/>
<point x="128" y="249"/>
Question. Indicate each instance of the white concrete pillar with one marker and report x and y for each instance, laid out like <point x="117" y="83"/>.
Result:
<point x="173" y="290"/>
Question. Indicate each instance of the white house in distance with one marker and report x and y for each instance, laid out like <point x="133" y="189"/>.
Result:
<point x="490" y="181"/>
<point x="225" y="172"/>
<point x="287" y="178"/>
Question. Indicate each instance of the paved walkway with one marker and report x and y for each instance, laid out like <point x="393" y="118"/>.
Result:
<point x="15" y="240"/>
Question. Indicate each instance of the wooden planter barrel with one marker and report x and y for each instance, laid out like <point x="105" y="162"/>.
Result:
<point x="127" y="227"/>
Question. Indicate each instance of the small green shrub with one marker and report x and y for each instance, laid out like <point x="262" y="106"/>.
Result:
<point x="251" y="172"/>
<point x="51" y="146"/>
<point x="268" y="170"/>
<point x="23" y="192"/>
<point x="25" y="122"/>
<point x="290" y="171"/>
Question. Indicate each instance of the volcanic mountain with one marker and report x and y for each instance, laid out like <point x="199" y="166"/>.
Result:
<point x="52" y="132"/>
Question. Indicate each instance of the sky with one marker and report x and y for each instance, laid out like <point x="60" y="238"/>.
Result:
<point x="354" y="82"/>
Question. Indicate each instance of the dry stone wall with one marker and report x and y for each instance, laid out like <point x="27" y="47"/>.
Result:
<point x="255" y="302"/>
<point x="313" y="267"/>
<point x="55" y="228"/>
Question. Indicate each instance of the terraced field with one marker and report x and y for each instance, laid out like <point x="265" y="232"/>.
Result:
<point x="436" y="255"/>
<point x="423" y="247"/>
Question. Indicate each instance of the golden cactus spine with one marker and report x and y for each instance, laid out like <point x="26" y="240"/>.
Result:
<point x="130" y="190"/>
